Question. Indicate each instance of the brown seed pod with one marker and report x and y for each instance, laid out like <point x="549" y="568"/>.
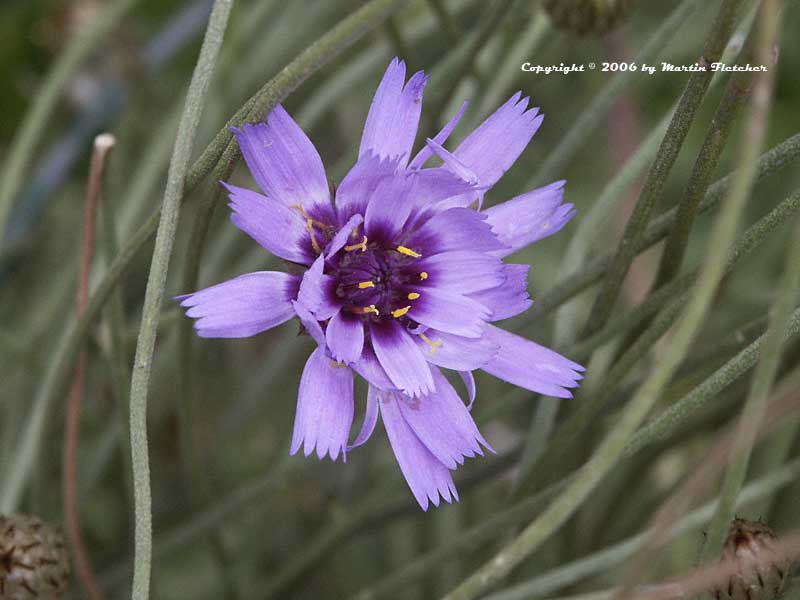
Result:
<point x="585" y="17"/>
<point x="761" y="572"/>
<point x="33" y="559"/>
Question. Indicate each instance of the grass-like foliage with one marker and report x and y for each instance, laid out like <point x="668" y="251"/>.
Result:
<point x="165" y="457"/>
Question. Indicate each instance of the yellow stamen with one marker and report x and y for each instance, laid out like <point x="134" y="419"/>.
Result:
<point x="338" y="365"/>
<point x="314" y="242"/>
<point x="310" y="226"/>
<point x="413" y="296"/>
<point x="371" y="309"/>
<point x="408" y="252"/>
<point x="423" y="275"/>
<point x="433" y="345"/>
<point x="400" y="312"/>
<point x="366" y="284"/>
<point x="360" y="246"/>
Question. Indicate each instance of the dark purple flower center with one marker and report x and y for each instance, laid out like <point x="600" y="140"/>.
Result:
<point x="375" y="280"/>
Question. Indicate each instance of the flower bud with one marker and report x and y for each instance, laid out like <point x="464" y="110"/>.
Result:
<point x="33" y="559"/>
<point x="760" y="570"/>
<point x="588" y="16"/>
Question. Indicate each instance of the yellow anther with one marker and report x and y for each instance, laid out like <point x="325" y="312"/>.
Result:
<point x="423" y="275"/>
<point x="338" y="365"/>
<point x="310" y="226"/>
<point x="366" y="284"/>
<point x="371" y="309"/>
<point x="400" y="312"/>
<point x="433" y="345"/>
<point x="408" y="252"/>
<point x="362" y="245"/>
<point x="413" y="296"/>
<point x="314" y="242"/>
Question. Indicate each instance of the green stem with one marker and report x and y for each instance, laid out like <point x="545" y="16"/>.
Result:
<point x="676" y="293"/>
<point x="608" y="558"/>
<point x="662" y="165"/>
<point x="154" y="293"/>
<point x="45" y="101"/>
<point x="707" y="160"/>
<point x="706" y="163"/>
<point x="771" y="162"/>
<point x="344" y="34"/>
<point x="749" y="241"/>
<point x="570" y="573"/>
<point x="669" y="356"/>
<point x="756" y="404"/>
<point x="592" y="116"/>
<point x="672" y="419"/>
<point x="546" y="411"/>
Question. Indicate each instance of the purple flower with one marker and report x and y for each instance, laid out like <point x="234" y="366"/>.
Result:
<point x="403" y="275"/>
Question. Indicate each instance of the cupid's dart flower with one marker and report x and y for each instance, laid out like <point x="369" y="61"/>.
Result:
<point x="403" y="276"/>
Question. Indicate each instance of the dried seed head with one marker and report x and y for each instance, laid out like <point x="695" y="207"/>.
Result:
<point x="588" y="16"/>
<point x="761" y="572"/>
<point x="33" y="559"/>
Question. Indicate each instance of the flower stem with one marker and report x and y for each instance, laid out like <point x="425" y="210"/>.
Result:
<point x="675" y="296"/>
<point x="570" y="573"/>
<point x="769" y="163"/>
<point x="669" y="356"/>
<point x="156" y="282"/>
<point x="755" y="406"/>
<point x="341" y="36"/>
<point x="592" y="116"/>
<point x="102" y="145"/>
<point x="706" y="163"/>
<point x="656" y="178"/>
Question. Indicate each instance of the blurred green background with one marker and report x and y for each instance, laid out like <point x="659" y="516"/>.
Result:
<point x="234" y="516"/>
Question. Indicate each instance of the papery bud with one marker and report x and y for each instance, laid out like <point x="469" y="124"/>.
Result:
<point x="588" y="16"/>
<point x="761" y="571"/>
<point x="33" y="559"/>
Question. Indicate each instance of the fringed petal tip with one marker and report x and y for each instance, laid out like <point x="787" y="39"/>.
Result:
<point x="528" y="365"/>
<point x="325" y="408"/>
<point x="243" y="306"/>
<point x="530" y="217"/>
<point x="393" y="117"/>
<point x="427" y="477"/>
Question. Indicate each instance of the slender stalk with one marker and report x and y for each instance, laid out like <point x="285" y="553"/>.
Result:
<point x="341" y="36"/>
<point x="769" y="163"/>
<point x="755" y="406"/>
<point x="748" y="242"/>
<point x="670" y="420"/>
<point x="706" y="163"/>
<point x="676" y="294"/>
<point x="592" y="116"/>
<point x="677" y="131"/>
<point x="573" y="572"/>
<point x="35" y="122"/>
<point x="716" y="138"/>
<point x="545" y="414"/>
<point x="669" y="356"/>
<point x="156" y="281"/>
<point x="608" y="558"/>
<point x="102" y="145"/>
